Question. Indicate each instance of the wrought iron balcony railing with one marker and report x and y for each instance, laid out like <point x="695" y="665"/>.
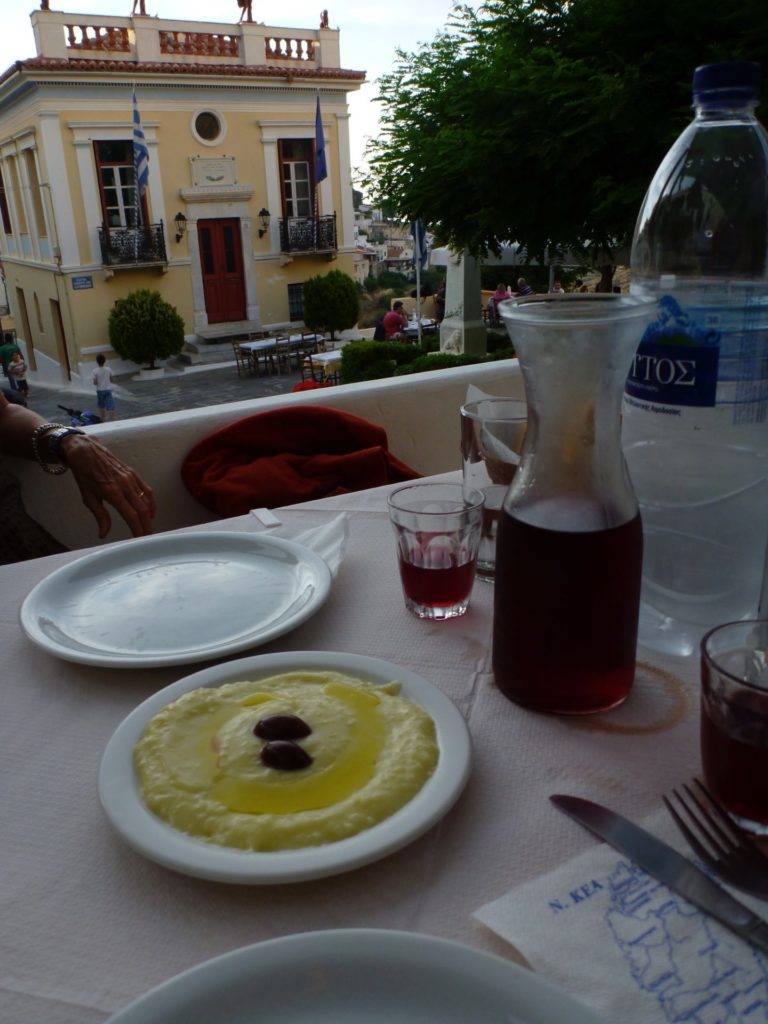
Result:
<point x="308" y="234"/>
<point x="132" y="246"/>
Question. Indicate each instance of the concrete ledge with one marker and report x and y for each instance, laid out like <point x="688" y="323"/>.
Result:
<point x="419" y="412"/>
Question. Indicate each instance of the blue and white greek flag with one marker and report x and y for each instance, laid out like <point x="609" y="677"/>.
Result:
<point x="140" y="151"/>
<point x="420" y="252"/>
<point x="321" y="167"/>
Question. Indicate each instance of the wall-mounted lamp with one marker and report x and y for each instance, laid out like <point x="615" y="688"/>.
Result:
<point x="264" y="219"/>
<point x="181" y="225"/>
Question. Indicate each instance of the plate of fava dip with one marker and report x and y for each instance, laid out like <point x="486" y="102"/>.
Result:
<point x="284" y="767"/>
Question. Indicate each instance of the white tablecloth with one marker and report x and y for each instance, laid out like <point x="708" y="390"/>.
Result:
<point x="88" y="925"/>
<point x="296" y="340"/>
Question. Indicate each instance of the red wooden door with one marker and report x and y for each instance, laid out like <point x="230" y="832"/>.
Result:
<point x="221" y="258"/>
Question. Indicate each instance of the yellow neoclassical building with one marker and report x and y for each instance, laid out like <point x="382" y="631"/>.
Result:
<point x="233" y="219"/>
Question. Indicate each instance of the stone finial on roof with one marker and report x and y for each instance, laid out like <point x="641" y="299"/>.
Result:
<point x="245" y="13"/>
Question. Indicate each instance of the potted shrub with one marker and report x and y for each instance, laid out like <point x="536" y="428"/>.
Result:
<point x="144" y="327"/>
<point x="331" y="302"/>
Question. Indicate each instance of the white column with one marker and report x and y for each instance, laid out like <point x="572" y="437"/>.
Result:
<point x="86" y="167"/>
<point x="462" y="329"/>
<point x="11" y="178"/>
<point x="274" y="195"/>
<point x="347" y="218"/>
<point x="199" y="316"/>
<point x="52" y="152"/>
<point x="27" y="203"/>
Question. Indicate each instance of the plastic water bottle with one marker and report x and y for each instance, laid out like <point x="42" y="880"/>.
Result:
<point x="695" y="427"/>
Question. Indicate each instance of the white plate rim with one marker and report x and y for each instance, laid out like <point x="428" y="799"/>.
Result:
<point x="148" y="835"/>
<point x="366" y="947"/>
<point x="139" y="546"/>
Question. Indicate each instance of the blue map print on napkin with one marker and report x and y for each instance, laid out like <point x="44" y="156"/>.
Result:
<point x="696" y="973"/>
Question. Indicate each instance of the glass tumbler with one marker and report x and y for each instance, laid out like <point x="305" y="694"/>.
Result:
<point x="437" y="528"/>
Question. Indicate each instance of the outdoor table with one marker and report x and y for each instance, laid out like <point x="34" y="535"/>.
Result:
<point x="296" y="340"/>
<point x="89" y="924"/>
<point x="297" y="343"/>
<point x="329" y="361"/>
<point x="427" y="327"/>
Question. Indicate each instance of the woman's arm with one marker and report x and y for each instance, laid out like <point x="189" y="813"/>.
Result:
<point x="100" y="475"/>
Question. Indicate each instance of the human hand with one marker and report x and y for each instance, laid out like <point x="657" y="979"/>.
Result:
<point x="102" y="477"/>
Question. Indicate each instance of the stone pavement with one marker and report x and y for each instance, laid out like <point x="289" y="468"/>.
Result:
<point x="196" y="386"/>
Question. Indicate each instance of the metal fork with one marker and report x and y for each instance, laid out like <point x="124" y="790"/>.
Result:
<point x="720" y="844"/>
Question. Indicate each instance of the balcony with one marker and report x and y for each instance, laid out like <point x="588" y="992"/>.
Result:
<point x="310" y="235"/>
<point x="133" y="247"/>
<point x="175" y="42"/>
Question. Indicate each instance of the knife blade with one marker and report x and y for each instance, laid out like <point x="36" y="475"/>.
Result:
<point x="667" y="865"/>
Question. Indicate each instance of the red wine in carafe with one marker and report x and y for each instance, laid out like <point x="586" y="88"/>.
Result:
<point x="566" y="612"/>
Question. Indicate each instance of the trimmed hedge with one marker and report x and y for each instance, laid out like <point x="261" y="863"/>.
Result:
<point x="372" y="360"/>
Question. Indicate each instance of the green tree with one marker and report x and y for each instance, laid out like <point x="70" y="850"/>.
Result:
<point x="543" y="121"/>
<point x="144" y="327"/>
<point x="331" y="302"/>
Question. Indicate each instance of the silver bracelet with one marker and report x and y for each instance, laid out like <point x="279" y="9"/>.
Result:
<point x="61" y="431"/>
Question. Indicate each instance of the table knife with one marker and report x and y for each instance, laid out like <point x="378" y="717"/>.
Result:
<point x="667" y="865"/>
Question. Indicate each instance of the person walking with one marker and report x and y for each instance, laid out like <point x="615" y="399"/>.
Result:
<point x="101" y="378"/>
<point x="17" y="372"/>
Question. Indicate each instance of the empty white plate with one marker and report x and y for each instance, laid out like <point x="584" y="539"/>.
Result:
<point x="356" y="976"/>
<point x="175" y="598"/>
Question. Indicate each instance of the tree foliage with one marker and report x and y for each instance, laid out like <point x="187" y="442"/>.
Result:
<point x="331" y="302"/>
<point x="543" y="121"/>
<point x="144" y="327"/>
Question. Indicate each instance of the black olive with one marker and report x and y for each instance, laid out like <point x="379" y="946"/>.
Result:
<point x="281" y="727"/>
<point x="286" y="755"/>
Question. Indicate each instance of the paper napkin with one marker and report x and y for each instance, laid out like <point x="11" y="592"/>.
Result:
<point x="625" y="945"/>
<point x="329" y="539"/>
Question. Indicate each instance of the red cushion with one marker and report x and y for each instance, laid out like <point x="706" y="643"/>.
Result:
<point x="289" y="455"/>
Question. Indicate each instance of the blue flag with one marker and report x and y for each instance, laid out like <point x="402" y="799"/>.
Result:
<point x="419" y="244"/>
<point x="321" y="168"/>
<point x="140" y="151"/>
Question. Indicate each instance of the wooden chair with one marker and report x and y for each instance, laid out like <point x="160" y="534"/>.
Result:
<point x="285" y="353"/>
<point x="311" y="371"/>
<point x="312" y="341"/>
<point x="243" y="360"/>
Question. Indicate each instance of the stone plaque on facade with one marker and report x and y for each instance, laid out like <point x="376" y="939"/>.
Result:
<point x="209" y="171"/>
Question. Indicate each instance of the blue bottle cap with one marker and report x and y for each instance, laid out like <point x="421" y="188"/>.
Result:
<point x="731" y="81"/>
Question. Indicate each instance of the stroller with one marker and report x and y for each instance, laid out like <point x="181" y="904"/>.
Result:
<point x="80" y="418"/>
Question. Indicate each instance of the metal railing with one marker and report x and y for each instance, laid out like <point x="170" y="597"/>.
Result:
<point x="132" y="246"/>
<point x="308" y="234"/>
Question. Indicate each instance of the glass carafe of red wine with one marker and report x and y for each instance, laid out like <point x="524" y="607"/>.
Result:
<point x="569" y="548"/>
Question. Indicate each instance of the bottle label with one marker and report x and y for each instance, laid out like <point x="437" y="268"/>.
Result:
<point x="704" y="354"/>
<point x="674" y="374"/>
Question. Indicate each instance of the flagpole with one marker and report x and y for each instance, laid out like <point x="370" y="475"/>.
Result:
<point x="418" y="242"/>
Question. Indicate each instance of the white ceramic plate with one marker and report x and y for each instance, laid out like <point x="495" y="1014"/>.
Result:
<point x="356" y="976"/>
<point x="175" y="598"/>
<point x="121" y="797"/>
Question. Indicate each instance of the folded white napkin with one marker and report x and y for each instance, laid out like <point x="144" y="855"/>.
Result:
<point x="329" y="540"/>
<point x="625" y="945"/>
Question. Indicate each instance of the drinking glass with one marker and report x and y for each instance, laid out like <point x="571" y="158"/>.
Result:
<point x="734" y="719"/>
<point x="437" y="527"/>
<point x="492" y="434"/>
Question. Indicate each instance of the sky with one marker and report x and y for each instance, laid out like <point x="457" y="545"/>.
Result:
<point x="370" y="33"/>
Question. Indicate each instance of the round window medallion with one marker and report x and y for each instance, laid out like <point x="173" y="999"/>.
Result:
<point x="208" y="126"/>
